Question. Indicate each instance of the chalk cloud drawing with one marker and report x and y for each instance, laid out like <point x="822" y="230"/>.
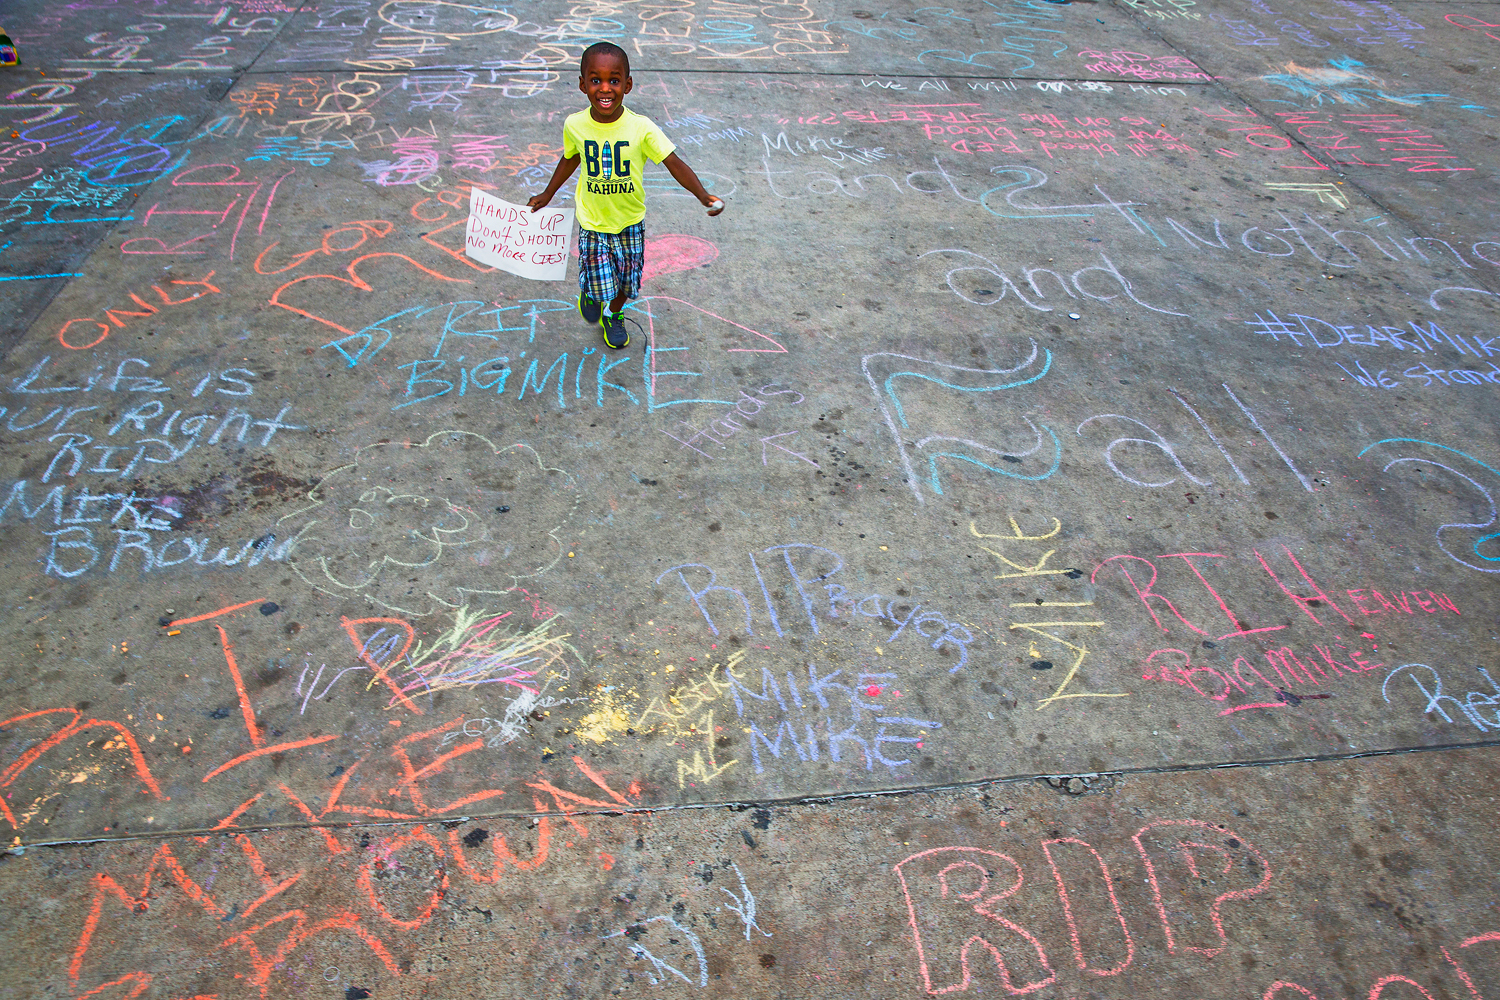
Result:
<point x="936" y="437"/>
<point x="1475" y="544"/>
<point x="417" y="527"/>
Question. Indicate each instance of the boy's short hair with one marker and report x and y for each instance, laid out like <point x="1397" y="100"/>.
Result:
<point x="603" y="49"/>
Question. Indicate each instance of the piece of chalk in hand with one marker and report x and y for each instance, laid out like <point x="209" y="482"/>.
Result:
<point x="715" y="205"/>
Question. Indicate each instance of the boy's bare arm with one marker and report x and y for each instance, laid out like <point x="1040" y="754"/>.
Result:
<point x="565" y="168"/>
<point x="683" y="174"/>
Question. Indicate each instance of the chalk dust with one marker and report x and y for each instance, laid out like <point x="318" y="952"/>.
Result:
<point x="610" y="716"/>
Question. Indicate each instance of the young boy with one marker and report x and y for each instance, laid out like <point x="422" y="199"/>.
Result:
<point x="613" y="144"/>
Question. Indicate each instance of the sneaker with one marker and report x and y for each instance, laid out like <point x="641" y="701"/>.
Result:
<point x="615" y="334"/>
<point x="590" y="309"/>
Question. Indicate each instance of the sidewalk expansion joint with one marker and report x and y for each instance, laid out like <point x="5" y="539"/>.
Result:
<point x="741" y="805"/>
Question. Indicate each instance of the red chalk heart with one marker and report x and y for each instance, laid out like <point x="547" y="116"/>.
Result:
<point x="669" y="253"/>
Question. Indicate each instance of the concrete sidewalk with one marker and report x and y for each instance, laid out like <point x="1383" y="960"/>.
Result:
<point x="1337" y="879"/>
<point x="1073" y="400"/>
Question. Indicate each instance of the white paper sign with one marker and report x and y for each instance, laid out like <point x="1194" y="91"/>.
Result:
<point x="513" y="238"/>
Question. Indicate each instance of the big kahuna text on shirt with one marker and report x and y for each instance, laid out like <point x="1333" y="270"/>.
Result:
<point x="612" y="187"/>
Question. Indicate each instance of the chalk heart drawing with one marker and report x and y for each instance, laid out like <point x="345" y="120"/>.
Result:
<point x="324" y="298"/>
<point x="417" y="527"/>
<point x="672" y="252"/>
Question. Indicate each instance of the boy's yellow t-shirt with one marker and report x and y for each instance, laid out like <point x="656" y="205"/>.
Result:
<point x="611" y="195"/>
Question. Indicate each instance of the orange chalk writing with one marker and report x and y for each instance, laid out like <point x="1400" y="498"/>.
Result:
<point x="501" y="853"/>
<point x="265" y="965"/>
<point x="267" y="751"/>
<point x="417" y="835"/>
<point x="364" y="655"/>
<point x="141" y="982"/>
<point x="215" y="614"/>
<point x="89" y="326"/>
<point x="411" y="775"/>
<point x="73" y="728"/>
<point x="106" y="887"/>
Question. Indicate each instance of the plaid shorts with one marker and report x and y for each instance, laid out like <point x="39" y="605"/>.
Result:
<point x="611" y="263"/>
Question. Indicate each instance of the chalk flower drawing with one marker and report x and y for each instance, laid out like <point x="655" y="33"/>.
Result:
<point x="418" y="527"/>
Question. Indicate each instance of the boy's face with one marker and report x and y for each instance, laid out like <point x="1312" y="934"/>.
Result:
<point x="606" y="83"/>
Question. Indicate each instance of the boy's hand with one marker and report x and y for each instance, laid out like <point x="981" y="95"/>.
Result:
<point x="715" y="205"/>
<point x="565" y="168"/>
